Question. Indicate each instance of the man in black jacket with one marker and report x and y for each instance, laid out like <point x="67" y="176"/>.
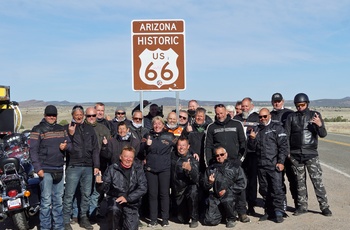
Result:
<point x="250" y="120"/>
<point x="48" y="142"/>
<point x="226" y="180"/>
<point x="136" y="126"/>
<point x="82" y="163"/>
<point x="112" y="147"/>
<point x="224" y="132"/>
<point x="185" y="178"/>
<point x="195" y="133"/>
<point x="271" y="146"/>
<point x="227" y="133"/>
<point x="124" y="183"/>
<point x="192" y="106"/>
<point x="303" y="128"/>
<point x="280" y="114"/>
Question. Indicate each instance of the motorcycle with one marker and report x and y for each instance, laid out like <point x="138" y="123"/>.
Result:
<point x="19" y="186"/>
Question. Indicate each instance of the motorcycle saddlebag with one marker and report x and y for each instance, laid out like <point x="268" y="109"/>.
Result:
<point x="34" y="188"/>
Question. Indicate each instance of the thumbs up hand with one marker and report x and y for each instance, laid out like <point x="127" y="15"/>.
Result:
<point x="149" y="140"/>
<point x="187" y="165"/>
<point x="63" y="145"/>
<point x="189" y="127"/>
<point x="105" y="141"/>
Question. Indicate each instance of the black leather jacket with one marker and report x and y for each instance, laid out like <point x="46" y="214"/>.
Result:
<point x="270" y="145"/>
<point x="196" y="139"/>
<point x="228" y="175"/>
<point x="85" y="150"/>
<point x="112" y="150"/>
<point x="228" y="134"/>
<point x="302" y="134"/>
<point x="116" y="183"/>
<point x="182" y="178"/>
<point x="280" y="115"/>
<point x="158" y="154"/>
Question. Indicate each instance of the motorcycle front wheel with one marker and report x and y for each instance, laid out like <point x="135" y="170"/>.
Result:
<point x="20" y="220"/>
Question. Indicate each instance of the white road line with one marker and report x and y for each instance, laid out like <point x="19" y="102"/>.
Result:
<point x="336" y="170"/>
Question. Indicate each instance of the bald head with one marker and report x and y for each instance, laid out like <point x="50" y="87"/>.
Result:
<point x="90" y="115"/>
<point x="264" y="116"/>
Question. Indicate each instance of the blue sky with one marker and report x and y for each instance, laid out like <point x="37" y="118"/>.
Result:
<point x="80" y="51"/>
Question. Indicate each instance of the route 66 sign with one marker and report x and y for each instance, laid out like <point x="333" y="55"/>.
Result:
<point x="158" y="67"/>
<point x="158" y="55"/>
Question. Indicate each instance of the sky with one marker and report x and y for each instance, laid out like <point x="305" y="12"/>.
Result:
<point x="80" y="51"/>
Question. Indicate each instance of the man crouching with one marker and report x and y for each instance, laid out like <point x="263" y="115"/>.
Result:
<point x="225" y="179"/>
<point x="124" y="183"/>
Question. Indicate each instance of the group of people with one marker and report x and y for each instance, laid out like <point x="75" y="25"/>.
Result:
<point x="201" y="169"/>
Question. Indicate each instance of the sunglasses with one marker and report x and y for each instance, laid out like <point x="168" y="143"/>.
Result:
<point x="220" y="155"/>
<point x="300" y="105"/>
<point x="90" y="115"/>
<point x="263" y="116"/>
<point x="182" y="117"/>
<point x="278" y="101"/>
<point x="137" y="118"/>
<point x="120" y="113"/>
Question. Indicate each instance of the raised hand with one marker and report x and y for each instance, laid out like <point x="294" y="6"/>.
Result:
<point x="187" y="165"/>
<point x="63" y="146"/>
<point x="189" y="127"/>
<point x="317" y="120"/>
<point x="252" y="134"/>
<point x="211" y="178"/>
<point x="71" y="128"/>
<point x="149" y="141"/>
<point x="105" y="141"/>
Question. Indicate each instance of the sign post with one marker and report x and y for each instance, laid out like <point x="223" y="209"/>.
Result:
<point x="158" y="55"/>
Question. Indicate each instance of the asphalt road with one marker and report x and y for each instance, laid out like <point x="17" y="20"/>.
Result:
<point x="334" y="153"/>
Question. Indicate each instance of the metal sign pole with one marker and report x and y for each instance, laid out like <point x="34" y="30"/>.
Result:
<point x="177" y="103"/>
<point x="141" y="103"/>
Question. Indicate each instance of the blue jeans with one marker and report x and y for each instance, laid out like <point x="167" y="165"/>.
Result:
<point x="95" y="196"/>
<point x="74" y="176"/>
<point x="51" y="195"/>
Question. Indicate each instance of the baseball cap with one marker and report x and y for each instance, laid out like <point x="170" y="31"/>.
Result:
<point x="50" y="110"/>
<point x="276" y="97"/>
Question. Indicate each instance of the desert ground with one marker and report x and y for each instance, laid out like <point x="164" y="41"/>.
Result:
<point x="33" y="115"/>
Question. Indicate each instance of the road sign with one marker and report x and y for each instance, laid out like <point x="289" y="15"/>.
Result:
<point x="158" y="55"/>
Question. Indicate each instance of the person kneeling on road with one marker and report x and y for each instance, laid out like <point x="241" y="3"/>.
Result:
<point x="124" y="183"/>
<point x="225" y="180"/>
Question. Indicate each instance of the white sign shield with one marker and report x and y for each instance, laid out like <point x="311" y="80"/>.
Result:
<point x="159" y="67"/>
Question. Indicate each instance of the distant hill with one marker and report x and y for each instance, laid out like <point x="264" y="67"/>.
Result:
<point x="170" y="101"/>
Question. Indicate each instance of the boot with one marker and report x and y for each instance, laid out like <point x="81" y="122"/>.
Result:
<point x="85" y="223"/>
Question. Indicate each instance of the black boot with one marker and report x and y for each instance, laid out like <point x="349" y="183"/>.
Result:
<point x="85" y="223"/>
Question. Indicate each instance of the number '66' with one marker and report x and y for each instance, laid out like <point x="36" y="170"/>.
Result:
<point x="151" y="74"/>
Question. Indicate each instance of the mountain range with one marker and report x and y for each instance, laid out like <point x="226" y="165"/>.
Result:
<point x="171" y="101"/>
